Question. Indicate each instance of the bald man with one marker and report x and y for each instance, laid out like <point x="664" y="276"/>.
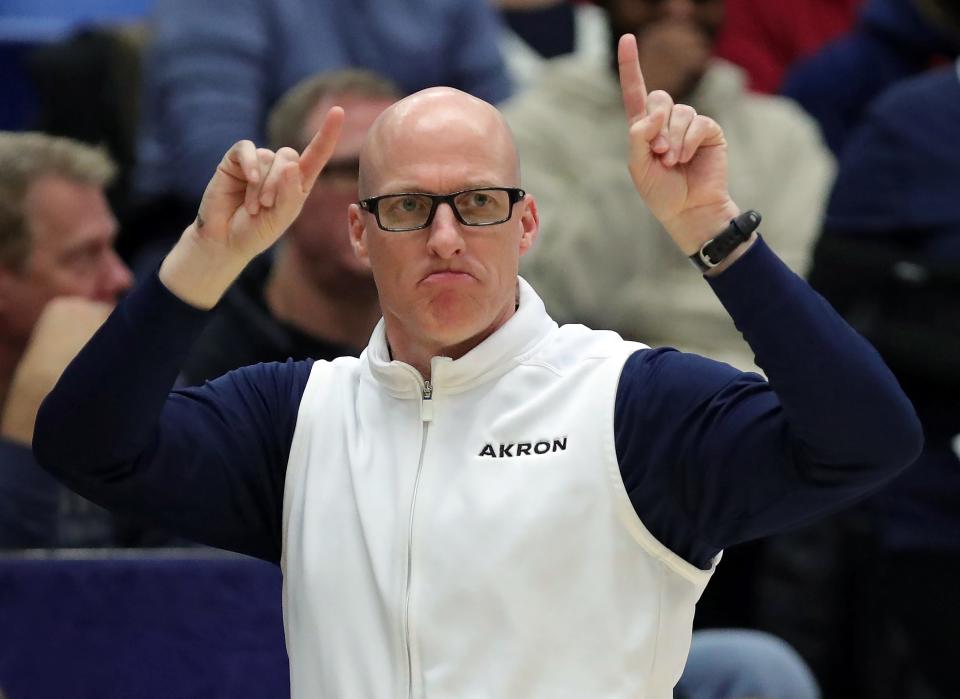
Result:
<point x="483" y="504"/>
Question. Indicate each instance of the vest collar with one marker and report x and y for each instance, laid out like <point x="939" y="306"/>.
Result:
<point x="492" y="358"/>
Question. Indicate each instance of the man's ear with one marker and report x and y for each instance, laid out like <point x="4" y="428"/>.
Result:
<point x="358" y="232"/>
<point x="529" y="223"/>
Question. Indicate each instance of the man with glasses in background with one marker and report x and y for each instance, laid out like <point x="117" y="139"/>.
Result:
<point x="483" y="503"/>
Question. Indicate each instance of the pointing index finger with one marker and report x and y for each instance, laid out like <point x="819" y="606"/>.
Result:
<point x="317" y="153"/>
<point x="632" y="86"/>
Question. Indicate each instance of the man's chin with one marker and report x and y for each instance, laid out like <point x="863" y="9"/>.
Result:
<point x="453" y="325"/>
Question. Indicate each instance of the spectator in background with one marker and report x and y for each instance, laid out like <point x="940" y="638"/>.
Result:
<point x="56" y="239"/>
<point x="765" y="38"/>
<point x="893" y="40"/>
<point x="216" y="66"/>
<point x="548" y="27"/>
<point x="537" y="30"/>
<point x="603" y="258"/>
<point x="314" y="299"/>
<point x="889" y="260"/>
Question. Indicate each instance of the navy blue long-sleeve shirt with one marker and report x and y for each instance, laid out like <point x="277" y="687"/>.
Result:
<point x="709" y="455"/>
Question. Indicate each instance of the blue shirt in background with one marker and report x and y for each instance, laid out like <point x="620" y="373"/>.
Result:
<point x="217" y="66"/>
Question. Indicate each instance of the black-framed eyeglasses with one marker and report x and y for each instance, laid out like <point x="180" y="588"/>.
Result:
<point x="411" y="211"/>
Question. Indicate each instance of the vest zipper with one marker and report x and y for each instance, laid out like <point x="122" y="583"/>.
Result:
<point x="426" y="415"/>
<point x="426" y="405"/>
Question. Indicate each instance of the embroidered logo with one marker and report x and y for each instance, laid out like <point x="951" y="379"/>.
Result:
<point x="501" y="451"/>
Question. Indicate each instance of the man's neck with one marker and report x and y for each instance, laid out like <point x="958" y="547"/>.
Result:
<point x="419" y="355"/>
<point x="418" y="352"/>
<point x="346" y="315"/>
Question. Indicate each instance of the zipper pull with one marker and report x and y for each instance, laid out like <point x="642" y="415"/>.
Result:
<point x="426" y="405"/>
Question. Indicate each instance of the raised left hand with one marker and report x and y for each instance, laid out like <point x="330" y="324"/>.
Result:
<point x="253" y="196"/>
<point x="677" y="159"/>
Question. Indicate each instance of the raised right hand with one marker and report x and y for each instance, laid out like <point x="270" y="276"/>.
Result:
<point x="255" y="194"/>
<point x="253" y="197"/>
<point x="677" y="158"/>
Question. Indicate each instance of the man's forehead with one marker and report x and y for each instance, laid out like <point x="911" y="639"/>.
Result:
<point x="448" y="184"/>
<point x="444" y="121"/>
<point x="438" y="140"/>
<point x="61" y="210"/>
<point x="450" y="155"/>
<point x="440" y="171"/>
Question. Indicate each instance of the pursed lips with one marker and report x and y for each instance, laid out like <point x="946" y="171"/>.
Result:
<point x="447" y="276"/>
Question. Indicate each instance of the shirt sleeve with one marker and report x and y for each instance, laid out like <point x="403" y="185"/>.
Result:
<point x="711" y="456"/>
<point x="207" y="463"/>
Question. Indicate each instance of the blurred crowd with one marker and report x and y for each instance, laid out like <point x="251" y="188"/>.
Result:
<point x="841" y="118"/>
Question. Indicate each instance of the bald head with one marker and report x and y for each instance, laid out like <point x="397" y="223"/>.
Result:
<point x="439" y="133"/>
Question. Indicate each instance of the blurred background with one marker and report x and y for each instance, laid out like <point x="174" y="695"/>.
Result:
<point x="842" y="120"/>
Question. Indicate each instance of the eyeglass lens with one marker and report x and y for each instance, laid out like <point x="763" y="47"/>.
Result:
<point x="477" y="207"/>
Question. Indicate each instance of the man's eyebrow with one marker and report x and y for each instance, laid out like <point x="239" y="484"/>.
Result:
<point x="402" y="187"/>
<point x="396" y="188"/>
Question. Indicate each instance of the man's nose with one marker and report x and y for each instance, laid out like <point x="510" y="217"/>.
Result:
<point x="446" y="237"/>
<point x="116" y="277"/>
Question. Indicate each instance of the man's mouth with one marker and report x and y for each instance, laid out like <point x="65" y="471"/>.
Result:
<point x="447" y="276"/>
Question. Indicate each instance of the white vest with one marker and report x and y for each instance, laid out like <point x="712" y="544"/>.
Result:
<point x="479" y="543"/>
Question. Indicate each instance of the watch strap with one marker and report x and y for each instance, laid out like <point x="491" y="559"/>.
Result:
<point x="716" y="250"/>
